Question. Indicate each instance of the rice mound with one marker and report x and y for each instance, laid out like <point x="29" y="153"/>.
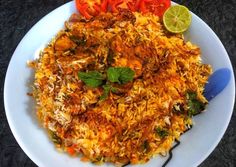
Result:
<point x="145" y="116"/>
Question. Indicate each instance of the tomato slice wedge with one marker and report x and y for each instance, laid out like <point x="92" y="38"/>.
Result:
<point x="90" y="8"/>
<point x="157" y="7"/>
<point x="132" y="5"/>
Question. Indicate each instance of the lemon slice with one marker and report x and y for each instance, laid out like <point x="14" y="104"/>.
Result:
<point x="177" y="19"/>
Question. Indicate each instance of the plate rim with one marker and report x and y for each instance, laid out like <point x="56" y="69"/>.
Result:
<point x="38" y="162"/>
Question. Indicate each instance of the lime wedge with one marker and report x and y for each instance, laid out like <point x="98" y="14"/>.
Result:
<point x="177" y="19"/>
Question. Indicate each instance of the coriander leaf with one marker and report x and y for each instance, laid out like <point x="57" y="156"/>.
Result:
<point x="126" y="74"/>
<point x="195" y="105"/>
<point x="91" y="78"/>
<point x="161" y="132"/>
<point x="191" y="95"/>
<point x="114" y="90"/>
<point x="77" y="40"/>
<point x="145" y="146"/>
<point x="121" y="75"/>
<point x="106" y="91"/>
<point x="55" y="138"/>
<point x="91" y="82"/>
<point x="113" y="74"/>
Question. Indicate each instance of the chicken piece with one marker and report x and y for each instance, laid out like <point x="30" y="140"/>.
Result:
<point x="126" y="56"/>
<point x="64" y="43"/>
<point x="136" y="65"/>
<point x="132" y="62"/>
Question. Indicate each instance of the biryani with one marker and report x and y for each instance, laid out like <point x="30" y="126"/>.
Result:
<point x="112" y="121"/>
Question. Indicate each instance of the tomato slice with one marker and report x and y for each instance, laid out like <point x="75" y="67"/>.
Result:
<point x="90" y="8"/>
<point x="132" y="5"/>
<point x="157" y="7"/>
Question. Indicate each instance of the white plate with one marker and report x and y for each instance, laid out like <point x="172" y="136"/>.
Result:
<point x="195" y="145"/>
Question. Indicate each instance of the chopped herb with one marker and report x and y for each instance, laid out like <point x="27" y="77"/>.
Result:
<point x="121" y="75"/>
<point x="161" y="132"/>
<point x="113" y="74"/>
<point x="114" y="90"/>
<point x="195" y="105"/>
<point x="78" y="41"/>
<point x="95" y="79"/>
<point x="55" y="138"/>
<point x="145" y="146"/>
<point x="126" y="75"/>
<point x="106" y="90"/>
<point x="91" y="78"/>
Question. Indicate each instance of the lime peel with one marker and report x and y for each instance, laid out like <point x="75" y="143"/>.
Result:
<point x="177" y="19"/>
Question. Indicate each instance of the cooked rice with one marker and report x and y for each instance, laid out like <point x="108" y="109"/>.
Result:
<point x="124" y="127"/>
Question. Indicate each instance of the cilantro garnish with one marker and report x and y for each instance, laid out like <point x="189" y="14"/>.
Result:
<point x="91" y="78"/>
<point x="195" y="106"/>
<point x="161" y="132"/>
<point x="106" y="90"/>
<point x="121" y="75"/>
<point x="95" y="79"/>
